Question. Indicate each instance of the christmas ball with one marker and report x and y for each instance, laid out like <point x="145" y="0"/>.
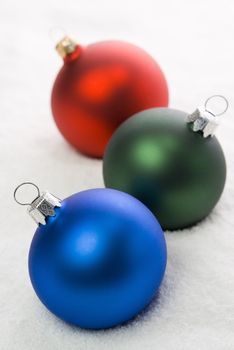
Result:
<point x="99" y="260"/>
<point x="100" y="86"/>
<point x="157" y="157"/>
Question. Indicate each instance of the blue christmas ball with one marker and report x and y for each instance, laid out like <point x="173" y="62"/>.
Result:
<point x="100" y="260"/>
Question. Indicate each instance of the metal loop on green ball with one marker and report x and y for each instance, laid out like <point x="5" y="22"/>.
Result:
<point x="223" y="98"/>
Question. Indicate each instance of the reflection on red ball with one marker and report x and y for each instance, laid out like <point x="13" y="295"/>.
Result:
<point x="100" y="86"/>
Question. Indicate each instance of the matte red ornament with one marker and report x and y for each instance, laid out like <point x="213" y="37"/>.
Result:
<point x="99" y="87"/>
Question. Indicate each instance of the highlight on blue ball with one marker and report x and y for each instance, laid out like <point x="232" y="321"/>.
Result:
<point x="100" y="260"/>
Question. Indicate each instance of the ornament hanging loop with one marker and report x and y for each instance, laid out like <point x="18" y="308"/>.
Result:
<point x="56" y="33"/>
<point x="26" y="184"/>
<point x="42" y="206"/>
<point x="204" y="120"/>
<point x="219" y="97"/>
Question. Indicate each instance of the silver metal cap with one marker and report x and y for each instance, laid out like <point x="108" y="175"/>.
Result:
<point x="204" y="120"/>
<point x="42" y="206"/>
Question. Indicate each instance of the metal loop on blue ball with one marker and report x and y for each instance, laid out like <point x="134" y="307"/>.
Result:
<point x="223" y="98"/>
<point x="25" y="184"/>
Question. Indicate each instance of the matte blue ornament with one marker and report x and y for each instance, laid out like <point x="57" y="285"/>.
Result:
<point x="99" y="260"/>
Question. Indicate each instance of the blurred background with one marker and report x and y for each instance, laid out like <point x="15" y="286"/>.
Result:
<point x="193" y="43"/>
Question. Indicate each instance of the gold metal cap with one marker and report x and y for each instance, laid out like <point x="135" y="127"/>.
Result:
<point x="66" y="46"/>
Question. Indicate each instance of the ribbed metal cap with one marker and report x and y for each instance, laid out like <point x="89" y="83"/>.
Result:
<point x="66" y="46"/>
<point x="42" y="206"/>
<point x="205" y="120"/>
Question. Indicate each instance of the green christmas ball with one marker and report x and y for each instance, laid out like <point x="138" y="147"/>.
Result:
<point x="176" y="172"/>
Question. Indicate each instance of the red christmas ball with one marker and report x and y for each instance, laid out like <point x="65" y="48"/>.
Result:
<point x="99" y="87"/>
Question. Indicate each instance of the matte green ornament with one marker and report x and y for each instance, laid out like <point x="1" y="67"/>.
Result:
<point x="168" y="160"/>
